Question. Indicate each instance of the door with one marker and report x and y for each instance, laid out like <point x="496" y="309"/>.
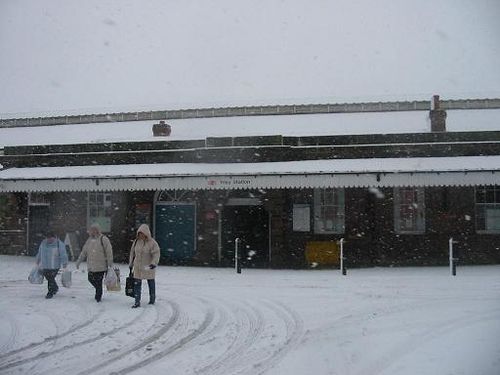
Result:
<point x="251" y="225"/>
<point x="38" y="226"/>
<point x="175" y="231"/>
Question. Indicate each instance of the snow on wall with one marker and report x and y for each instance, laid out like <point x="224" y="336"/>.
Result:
<point x="293" y="125"/>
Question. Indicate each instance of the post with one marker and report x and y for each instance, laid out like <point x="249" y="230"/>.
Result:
<point x="453" y="266"/>
<point x="342" y="267"/>
<point x="237" y="263"/>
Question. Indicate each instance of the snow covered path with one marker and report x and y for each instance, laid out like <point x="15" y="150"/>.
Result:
<point x="214" y="321"/>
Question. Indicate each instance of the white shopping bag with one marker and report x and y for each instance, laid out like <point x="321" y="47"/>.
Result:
<point x="66" y="279"/>
<point x="36" y="276"/>
<point x="112" y="280"/>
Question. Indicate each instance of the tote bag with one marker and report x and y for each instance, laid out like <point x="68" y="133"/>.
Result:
<point x="129" y="286"/>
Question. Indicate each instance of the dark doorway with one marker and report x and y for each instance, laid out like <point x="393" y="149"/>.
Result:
<point x="38" y="226"/>
<point x="251" y="225"/>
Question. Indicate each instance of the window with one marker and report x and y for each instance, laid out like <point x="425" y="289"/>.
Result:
<point x="301" y="218"/>
<point x="4" y="212"/>
<point x="488" y="209"/>
<point x="10" y="215"/>
<point x="329" y="211"/>
<point x="409" y="210"/>
<point x="39" y="199"/>
<point x="100" y="210"/>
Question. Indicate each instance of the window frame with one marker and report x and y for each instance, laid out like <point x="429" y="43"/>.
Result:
<point x="492" y="191"/>
<point x="97" y="200"/>
<point x="420" y="224"/>
<point x="336" y="203"/>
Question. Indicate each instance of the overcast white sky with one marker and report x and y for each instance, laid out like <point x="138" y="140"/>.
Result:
<point x="72" y="56"/>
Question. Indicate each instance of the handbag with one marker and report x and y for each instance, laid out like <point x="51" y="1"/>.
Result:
<point x="129" y="285"/>
<point x="36" y="275"/>
<point x="66" y="279"/>
<point x="113" y="280"/>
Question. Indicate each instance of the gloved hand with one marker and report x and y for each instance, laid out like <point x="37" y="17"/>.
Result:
<point x="152" y="266"/>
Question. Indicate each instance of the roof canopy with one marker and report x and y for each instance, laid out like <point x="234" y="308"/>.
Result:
<point x="375" y="172"/>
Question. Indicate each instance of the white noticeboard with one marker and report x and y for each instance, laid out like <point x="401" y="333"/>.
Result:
<point x="301" y="218"/>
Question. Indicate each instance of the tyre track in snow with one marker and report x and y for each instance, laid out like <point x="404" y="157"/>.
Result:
<point x="355" y="318"/>
<point x="251" y="352"/>
<point x="8" y="283"/>
<point x="294" y="330"/>
<point x="73" y="345"/>
<point x="432" y="332"/>
<point x="6" y="362"/>
<point x="343" y="327"/>
<point x="13" y="331"/>
<point x="177" y="345"/>
<point x="264" y="335"/>
<point x="11" y="363"/>
<point x="32" y="367"/>
<point x="176" y="320"/>
<point x="248" y="325"/>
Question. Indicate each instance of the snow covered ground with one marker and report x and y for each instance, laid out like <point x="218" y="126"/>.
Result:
<point x="214" y="321"/>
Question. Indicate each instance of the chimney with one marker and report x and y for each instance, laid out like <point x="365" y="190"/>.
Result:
<point x="437" y="116"/>
<point x="162" y="129"/>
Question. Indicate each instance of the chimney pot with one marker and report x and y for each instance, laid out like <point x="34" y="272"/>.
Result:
<point x="162" y="129"/>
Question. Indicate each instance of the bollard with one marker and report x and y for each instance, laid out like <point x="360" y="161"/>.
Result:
<point x="342" y="266"/>
<point x="237" y="262"/>
<point x="452" y="260"/>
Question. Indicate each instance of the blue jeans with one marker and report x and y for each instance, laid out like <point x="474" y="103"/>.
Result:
<point x="138" y="287"/>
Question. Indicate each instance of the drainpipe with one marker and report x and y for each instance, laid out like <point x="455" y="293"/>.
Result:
<point x="28" y="225"/>
<point x="342" y="267"/>
<point x="237" y="263"/>
<point x="452" y="260"/>
<point x="219" y="237"/>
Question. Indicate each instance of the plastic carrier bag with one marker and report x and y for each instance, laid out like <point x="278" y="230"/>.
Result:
<point x="112" y="280"/>
<point x="35" y="276"/>
<point x="66" y="279"/>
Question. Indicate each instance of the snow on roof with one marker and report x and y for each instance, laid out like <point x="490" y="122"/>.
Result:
<point x="286" y="125"/>
<point x="432" y="171"/>
<point x="371" y="165"/>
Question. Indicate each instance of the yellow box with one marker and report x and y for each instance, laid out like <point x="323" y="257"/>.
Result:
<point x="323" y="253"/>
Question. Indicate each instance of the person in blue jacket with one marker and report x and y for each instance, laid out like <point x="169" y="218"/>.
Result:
<point x="50" y="257"/>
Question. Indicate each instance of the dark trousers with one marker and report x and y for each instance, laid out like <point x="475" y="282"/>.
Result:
<point x="95" y="278"/>
<point x="50" y="275"/>
<point x="138" y="287"/>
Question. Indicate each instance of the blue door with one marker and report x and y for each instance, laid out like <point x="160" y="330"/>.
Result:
<point x="175" y="226"/>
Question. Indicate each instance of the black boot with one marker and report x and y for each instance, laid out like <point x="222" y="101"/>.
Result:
<point x="136" y="305"/>
<point x="152" y="291"/>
